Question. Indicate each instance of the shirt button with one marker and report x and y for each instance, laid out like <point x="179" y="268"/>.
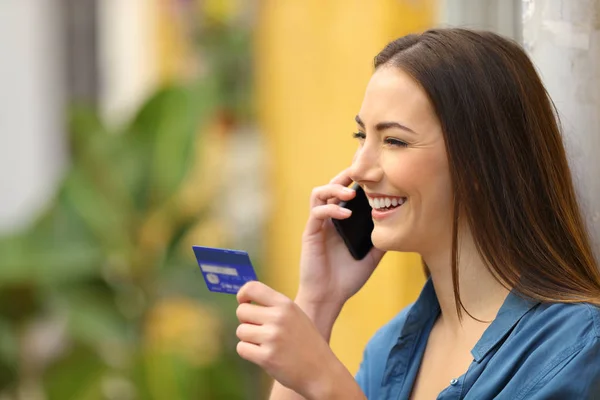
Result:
<point x="454" y="382"/>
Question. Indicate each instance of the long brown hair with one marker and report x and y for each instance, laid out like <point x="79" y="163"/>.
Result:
<point x="509" y="170"/>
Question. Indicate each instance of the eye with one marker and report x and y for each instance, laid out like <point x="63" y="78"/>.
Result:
<point x="359" y="135"/>
<point x="395" y="142"/>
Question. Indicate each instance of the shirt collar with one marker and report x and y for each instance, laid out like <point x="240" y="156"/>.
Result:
<point x="423" y="310"/>
<point x="427" y="307"/>
<point x="513" y="309"/>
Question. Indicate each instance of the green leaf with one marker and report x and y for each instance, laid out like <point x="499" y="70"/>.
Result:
<point x="40" y="257"/>
<point x="105" y="218"/>
<point x="58" y="247"/>
<point x="8" y="354"/>
<point x="179" y="233"/>
<point x="168" y="126"/>
<point x="93" y="316"/>
<point x="166" y="375"/>
<point x="76" y="377"/>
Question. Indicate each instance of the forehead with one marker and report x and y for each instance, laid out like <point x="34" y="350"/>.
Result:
<point x="393" y="95"/>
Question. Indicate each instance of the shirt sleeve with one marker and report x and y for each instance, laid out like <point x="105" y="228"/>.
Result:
<point x="574" y="374"/>
<point x="363" y="373"/>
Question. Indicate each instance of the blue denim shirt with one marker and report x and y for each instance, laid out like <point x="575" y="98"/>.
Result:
<point x="531" y="350"/>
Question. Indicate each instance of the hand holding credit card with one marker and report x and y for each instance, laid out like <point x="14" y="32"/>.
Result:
<point x="224" y="270"/>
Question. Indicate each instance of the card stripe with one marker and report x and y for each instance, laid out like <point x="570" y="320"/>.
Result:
<point x="215" y="269"/>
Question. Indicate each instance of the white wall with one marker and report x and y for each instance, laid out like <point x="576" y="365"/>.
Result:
<point x="32" y="141"/>
<point x="500" y="16"/>
<point x="563" y="39"/>
<point x="127" y="46"/>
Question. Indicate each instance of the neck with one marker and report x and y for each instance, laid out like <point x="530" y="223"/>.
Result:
<point x="481" y="294"/>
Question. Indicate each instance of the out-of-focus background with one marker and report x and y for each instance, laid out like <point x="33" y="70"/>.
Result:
<point x="131" y="130"/>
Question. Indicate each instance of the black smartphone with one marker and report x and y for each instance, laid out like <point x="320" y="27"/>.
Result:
<point x="356" y="230"/>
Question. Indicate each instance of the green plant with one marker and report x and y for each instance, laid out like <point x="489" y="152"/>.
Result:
<point x="89" y="293"/>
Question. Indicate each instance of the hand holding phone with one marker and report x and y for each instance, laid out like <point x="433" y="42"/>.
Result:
<point x="336" y="262"/>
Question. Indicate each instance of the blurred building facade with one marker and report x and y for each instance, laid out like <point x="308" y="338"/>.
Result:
<point x="32" y="146"/>
<point x="56" y="52"/>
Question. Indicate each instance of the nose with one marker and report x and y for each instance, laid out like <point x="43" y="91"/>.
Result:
<point x="365" y="166"/>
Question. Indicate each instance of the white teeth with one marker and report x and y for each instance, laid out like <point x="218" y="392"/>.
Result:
<point x="384" y="202"/>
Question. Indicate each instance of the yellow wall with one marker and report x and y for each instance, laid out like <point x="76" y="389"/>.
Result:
<point x="313" y="61"/>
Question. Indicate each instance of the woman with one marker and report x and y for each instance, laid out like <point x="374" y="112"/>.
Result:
<point x="457" y="129"/>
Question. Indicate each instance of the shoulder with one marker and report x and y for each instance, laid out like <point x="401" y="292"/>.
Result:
<point x="562" y="344"/>
<point x="552" y="350"/>
<point x="580" y="321"/>
<point x="554" y="331"/>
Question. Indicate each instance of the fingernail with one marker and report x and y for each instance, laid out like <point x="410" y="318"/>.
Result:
<point x="348" y="190"/>
<point x="345" y="211"/>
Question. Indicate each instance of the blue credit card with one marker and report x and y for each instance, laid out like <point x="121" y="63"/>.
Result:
<point x="224" y="270"/>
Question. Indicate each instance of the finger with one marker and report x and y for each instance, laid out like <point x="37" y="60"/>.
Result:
<point x="343" y="178"/>
<point x="251" y="333"/>
<point x="260" y="293"/>
<point x="322" y="194"/>
<point x="321" y="213"/>
<point x="249" y="351"/>
<point x="252" y="314"/>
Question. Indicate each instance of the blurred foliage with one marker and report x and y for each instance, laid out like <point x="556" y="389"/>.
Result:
<point x="100" y="298"/>
<point x="232" y="71"/>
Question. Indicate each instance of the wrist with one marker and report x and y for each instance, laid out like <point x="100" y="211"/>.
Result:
<point x="322" y="314"/>
<point x="336" y="384"/>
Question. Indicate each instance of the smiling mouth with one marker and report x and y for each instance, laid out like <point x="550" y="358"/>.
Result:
<point x="386" y="203"/>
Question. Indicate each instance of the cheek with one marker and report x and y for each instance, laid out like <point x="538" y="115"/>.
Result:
<point x="417" y="173"/>
<point x="403" y="171"/>
<point x="437" y="190"/>
<point x="425" y="179"/>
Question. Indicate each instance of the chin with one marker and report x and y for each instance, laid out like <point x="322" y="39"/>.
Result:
<point x="389" y="241"/>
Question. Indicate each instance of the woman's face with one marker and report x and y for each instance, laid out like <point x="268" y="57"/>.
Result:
<point x="401" y="164"/>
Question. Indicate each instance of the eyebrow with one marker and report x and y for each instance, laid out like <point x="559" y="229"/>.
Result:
<point x="384" y="125"/>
